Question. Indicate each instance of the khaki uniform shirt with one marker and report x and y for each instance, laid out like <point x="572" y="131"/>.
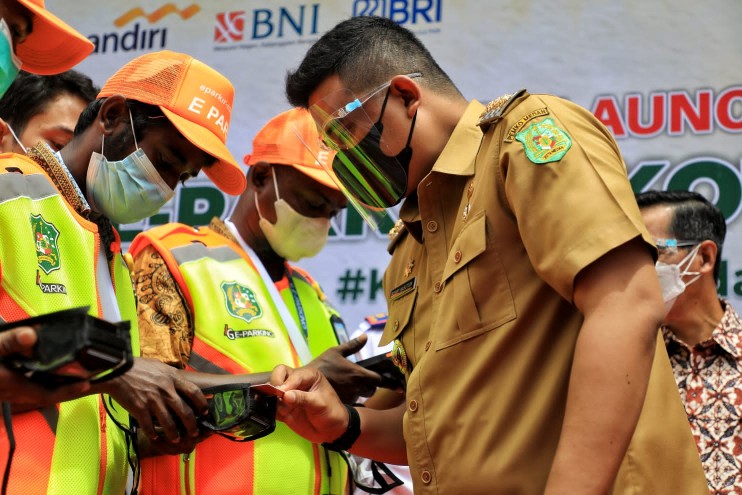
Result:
<point x="479" y="291"/>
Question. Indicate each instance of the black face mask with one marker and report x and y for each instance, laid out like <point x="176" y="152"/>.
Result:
<point x="375" y="179"/>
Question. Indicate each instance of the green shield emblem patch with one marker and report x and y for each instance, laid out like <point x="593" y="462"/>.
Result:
<point x="241" y="301"/>
<point x="544" y="142"/>
<point x="45" y="240"/>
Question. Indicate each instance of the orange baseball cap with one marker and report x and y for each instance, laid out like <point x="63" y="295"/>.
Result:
<point x="194" y="97"/>
<point x="291" y="138"/>
<point x="53" y="46"/>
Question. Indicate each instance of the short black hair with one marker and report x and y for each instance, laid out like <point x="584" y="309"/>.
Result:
<point x="365" y="52"/>
<point x="29" y="95"/>
<point x="694" y="218"/>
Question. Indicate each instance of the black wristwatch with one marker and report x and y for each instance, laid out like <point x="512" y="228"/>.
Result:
<point x="351" y="434"/>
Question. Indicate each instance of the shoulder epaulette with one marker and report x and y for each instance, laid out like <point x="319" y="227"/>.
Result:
<point x="497" y="107"/>
<point x="395" y="234"/>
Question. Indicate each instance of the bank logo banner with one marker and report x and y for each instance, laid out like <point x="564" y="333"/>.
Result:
<point x="230" y="26"/>
<point x="137" y="29"/>
<point x="401" y="11"/>
<point x="157" y="14"/>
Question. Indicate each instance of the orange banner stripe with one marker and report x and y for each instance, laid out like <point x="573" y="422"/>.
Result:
<point x="158" y="14"/>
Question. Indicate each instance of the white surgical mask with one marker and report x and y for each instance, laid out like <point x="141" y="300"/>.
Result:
<point x="671" y="278"/>
<point x="293" y="236"/>
<point x="127" y="190"/>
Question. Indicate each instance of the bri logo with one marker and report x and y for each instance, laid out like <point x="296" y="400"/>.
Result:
<point x="401" y="11"/>
<point x="138" y="37"/>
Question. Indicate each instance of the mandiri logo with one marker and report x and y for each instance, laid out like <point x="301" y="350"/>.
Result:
<point x="138" y="37"/>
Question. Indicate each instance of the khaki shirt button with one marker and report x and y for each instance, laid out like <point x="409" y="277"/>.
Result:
<point x="457" y="257"/>
<point x="437" y="287"/>
<point x="413" y="405"/>
<point x="396" y="324"/>
<point x="426" y="477"/>
<point x="432" y="226"/>
<point x="427" y="345"/>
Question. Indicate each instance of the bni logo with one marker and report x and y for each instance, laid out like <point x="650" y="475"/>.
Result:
<point x="138" y="37"/>
<point x="264" y="23"/>
<point x="230" y="26"/>
<point x="401" y="11"/>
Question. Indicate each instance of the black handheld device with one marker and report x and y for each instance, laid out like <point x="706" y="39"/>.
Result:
<point x="391" y="376"/>
<point x="73" y="346"/>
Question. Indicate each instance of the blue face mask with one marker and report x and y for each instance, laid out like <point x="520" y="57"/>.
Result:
<point x="127" y="190"/>
<point x="10" y="65"/>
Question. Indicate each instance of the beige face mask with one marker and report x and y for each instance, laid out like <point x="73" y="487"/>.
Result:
<point x="293" y="236"/>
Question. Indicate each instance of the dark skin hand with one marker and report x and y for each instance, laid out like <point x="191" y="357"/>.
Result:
<point x="152" y="390"/>
<point x="19" y="390"/>
<point x="349" y="380"/>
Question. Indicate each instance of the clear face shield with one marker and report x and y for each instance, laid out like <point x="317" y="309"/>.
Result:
<point x="370" y="175"/>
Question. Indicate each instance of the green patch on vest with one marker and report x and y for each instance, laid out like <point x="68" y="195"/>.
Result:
<point x="241" y="301"/>
<point x="45" y="240"/>
<point x="544" y="142"/>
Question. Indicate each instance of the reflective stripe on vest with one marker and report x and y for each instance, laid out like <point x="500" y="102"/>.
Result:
<point x="237" y="330"/>
<point x="72" y="448"/>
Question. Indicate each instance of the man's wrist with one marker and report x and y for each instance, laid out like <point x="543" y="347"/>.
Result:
<point x="351" y="433"/>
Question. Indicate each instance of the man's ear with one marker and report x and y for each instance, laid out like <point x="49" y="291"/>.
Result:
<point x="7" y="143"/>
<point x="259" y="175"/>
<point x="409" y="90"/>
<point x="708" y="251"/>
<point x="113" y="112"/>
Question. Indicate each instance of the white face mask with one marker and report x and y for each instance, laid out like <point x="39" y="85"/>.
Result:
<point x="126" y="190"/>
<point x="293" y="236"/>
<point x="671" y="278"/>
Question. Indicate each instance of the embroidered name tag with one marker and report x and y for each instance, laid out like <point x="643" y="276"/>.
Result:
<point x="523" y="121"/>
<point x="404" y="289"/>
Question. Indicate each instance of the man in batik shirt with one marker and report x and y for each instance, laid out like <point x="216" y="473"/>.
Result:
<point x="702" y="332"/>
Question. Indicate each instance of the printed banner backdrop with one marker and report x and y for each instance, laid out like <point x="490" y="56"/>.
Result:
<point x="664" y="77"/>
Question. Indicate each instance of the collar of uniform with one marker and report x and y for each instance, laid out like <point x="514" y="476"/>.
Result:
<point x="409" y="213"/>
<point x="58" y="172"/>
<point x="727" y="335"/>
<point x="457" y="157"/>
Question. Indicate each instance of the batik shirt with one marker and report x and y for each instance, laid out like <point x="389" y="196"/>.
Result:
<point x="709" y="376"/>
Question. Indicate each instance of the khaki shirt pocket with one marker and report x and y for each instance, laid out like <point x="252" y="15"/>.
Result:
<point x="476" y="288"/>
<point x="400" y="314"/>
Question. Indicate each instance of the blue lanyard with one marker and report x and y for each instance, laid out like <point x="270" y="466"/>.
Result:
<point x="299" y="307"/>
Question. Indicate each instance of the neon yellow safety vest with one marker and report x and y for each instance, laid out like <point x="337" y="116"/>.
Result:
<point x="237" y="330"/>
<point x="49" y="260"/>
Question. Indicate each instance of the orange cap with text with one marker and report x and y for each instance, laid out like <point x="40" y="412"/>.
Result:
<point x="194" y="97"/>
<point x="52" y="46"/>
<point x="291" y="138"/>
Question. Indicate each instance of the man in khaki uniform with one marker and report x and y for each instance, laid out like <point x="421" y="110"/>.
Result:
<point x="523" y="300"/>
